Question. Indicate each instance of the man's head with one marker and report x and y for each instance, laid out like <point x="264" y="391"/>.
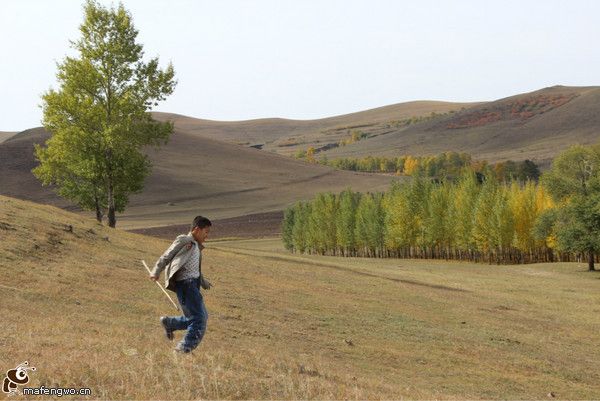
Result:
<point x="200" y="228"/>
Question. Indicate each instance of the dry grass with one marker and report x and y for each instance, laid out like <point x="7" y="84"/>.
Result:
<point x="81" y="310"/>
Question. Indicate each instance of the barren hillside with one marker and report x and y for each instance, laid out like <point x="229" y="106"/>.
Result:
<point x="4" y="135"/>
<point x="194" y="175"/>
<point x="287" y="136"/>
<point x="536" y="126"/>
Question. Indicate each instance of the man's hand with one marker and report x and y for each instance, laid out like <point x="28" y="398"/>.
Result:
<point x="206" y="284"/>
<point x="154" y="278"/>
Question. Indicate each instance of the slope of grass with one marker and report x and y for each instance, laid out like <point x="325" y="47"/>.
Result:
<point x="78" y="306"/>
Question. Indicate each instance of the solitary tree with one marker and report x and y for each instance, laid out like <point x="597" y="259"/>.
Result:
<point x="99" y="117"/>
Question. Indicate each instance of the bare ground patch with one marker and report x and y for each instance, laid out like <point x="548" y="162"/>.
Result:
<point x="257" y="225"/>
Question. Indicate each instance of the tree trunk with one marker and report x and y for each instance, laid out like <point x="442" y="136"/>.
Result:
<point x="591" y="261"/>
<point x="99" y="213"/>
<point x="112" y="221"/>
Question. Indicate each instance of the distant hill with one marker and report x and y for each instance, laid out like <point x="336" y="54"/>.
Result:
<point x="5" y="135"/>
<point x="216" y="167"/>
<point x="536" y="125"/>
<point x="193" y="175"/>
<point x="286" y="136"/>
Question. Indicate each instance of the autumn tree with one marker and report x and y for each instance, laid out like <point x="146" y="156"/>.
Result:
<point x="483" y="216"/>
<point x="369" y="230"/>
<point x="439" y="225"/>
<point x="346" y="221"/>
<point x="321" y="229"/>
<point x="462" y="208"/>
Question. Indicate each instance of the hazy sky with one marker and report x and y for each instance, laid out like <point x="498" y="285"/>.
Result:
<point x="306" y="59"/>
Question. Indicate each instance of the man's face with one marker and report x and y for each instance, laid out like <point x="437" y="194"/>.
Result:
<point x="200" y="234"/>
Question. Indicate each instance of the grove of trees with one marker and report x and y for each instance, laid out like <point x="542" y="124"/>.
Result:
<point x="482" y="220"/>
<point x="445" y="165"/>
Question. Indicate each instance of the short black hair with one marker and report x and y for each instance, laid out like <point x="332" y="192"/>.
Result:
<point x="200" y="222"/>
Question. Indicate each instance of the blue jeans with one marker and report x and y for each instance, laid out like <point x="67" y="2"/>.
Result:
<point x="194" y="316"/>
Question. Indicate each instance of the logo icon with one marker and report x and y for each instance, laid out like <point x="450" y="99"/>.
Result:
<point x="16" y="377"/>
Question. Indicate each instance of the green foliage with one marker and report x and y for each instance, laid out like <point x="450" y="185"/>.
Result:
<point x="578" y="225"/>
<point x="448" y="165"/>
<point x="503" y="227"/>
<point x="439" y="227"/>
<point x="479" y="217"/>
<point x="544" y="224"/>
<point x="368" y="232"/>
<point x="396" y="223"/>
<point x="464" y="201"/>
<point x="528" y="170"/>
<point x="345" y="222"/>
<point x="300" y="154"/>
<point x="321" y="223"/>
<point x="574" y="172"/>
<point x="287" y="229"/>
<point x="525" y="212"/>
<point x="299" y="230"/>
<point x="416" y="119"/>
<point x="485" y="219"/>
<point x="99" y="117"/>
<point x="574" y="181"/>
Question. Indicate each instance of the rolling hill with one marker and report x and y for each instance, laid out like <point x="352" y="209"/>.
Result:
<point x="286" y="136"/>
<point x="193" y="175"/>
<point x="4" y="135"/>
<point x="216" y="168"/>
<point x="536" y="125"/>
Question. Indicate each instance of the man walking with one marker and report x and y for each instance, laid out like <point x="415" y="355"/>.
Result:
<point x="183" y="275"/>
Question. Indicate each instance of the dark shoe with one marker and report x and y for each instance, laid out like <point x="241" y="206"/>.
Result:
<point x="168" y="331"/>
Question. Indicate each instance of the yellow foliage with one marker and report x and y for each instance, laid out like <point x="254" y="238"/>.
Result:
<point x="543" y="201"/>
<point x="410" y="165"/>
<point x="310" y="155"/>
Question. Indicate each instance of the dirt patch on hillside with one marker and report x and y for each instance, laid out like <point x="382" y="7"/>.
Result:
<point x="257" y="225"/>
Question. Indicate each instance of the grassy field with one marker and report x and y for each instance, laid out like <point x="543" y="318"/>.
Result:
<point x="79" y="307"/>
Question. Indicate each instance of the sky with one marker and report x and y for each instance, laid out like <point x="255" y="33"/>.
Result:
<point x="246" y="59"/>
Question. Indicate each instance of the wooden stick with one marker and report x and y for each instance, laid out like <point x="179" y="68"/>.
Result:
<point x="161" y="287"/>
